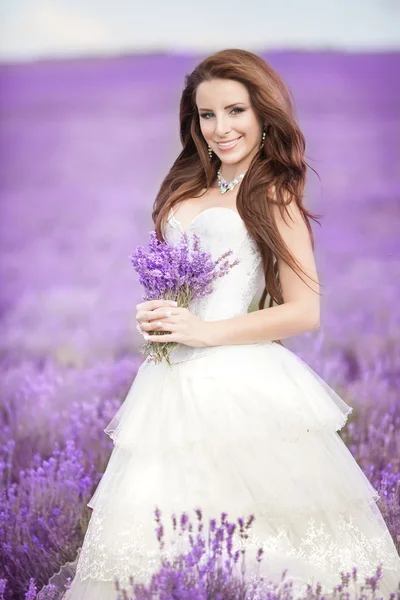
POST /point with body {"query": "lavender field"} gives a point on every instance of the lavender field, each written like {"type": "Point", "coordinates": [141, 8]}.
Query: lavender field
{"type": "Point", "coordinates": [84, 145]}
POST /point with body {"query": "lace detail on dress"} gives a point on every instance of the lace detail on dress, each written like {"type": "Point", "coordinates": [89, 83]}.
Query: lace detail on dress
{"type": "Point", "coordinates": [250, 255]}
{"type": "Point", "coordinates": [107, 554]}
{"type": "Point", "coordinates": [331, 551]}
{"type": "Point", "coordinates": [124, 554]}
{"type": "Point", "coordinates": [221, 229]}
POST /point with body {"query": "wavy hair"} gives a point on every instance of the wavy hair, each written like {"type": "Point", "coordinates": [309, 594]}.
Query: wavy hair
{"type": "Point", "coordinates": [276, 175]}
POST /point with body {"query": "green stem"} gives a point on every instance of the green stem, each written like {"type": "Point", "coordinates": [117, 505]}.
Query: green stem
{"type": "Point", "coordinates": [160, 351]}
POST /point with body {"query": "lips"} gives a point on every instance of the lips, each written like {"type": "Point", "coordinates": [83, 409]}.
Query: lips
{"type": "Point", "coordinates": [228, 145]}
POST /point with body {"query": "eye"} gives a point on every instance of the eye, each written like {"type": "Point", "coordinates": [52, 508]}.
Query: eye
{"type": "Point", "coordinates": [208, 115]}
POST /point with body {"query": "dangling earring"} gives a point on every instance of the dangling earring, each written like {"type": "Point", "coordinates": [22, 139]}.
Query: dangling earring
{"type": "Point", "coordinates": [263, 139]}
{"type": "Point", "coordinates": [209, 153]}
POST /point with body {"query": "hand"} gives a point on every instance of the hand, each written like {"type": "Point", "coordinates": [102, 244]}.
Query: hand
{"type": "Point", "coordinates": [182, 325]}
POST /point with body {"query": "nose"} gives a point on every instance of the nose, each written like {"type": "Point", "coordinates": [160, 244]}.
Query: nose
{"type": "Point", "coordinates": [222, 126]}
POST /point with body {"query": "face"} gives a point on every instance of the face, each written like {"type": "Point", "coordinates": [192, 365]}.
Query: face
{"type": "Point", "coordinates": [226, 115]}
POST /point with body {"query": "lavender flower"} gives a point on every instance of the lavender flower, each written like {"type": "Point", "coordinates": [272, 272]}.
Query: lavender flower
{"type": "Point", "coordinates": [180, 272]}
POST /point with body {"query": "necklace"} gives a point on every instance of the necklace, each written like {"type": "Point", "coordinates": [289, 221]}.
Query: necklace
{"type": "Point", "coordinates": [224, 185]}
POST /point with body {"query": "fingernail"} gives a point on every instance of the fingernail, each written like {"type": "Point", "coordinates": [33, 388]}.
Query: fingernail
{"type": "Point", "coordinates": [146, 336]}
{"type": "Point", "coordinates": [173, 303]}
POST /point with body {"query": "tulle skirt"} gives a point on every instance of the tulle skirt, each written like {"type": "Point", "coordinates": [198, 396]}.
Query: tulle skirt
{"type": "Point", "coordinates": [247, 429]}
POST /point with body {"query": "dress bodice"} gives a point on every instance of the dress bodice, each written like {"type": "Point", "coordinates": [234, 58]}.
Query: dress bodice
{"type": "Point", "coordinates": [221, 229]}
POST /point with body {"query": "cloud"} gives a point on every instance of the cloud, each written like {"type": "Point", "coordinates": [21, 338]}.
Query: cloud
{"type": "Point", "coordinates": [46, 30]}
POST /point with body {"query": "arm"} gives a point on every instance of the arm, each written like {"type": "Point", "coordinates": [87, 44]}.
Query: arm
{"type": "Point", "coordinates": [301, 308]}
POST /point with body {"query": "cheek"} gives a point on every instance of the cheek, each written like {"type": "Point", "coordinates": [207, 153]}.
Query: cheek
{"type": "Point", "coordinates": [206, 129]}
{"type": "Point", "coordinates": [251, 128]}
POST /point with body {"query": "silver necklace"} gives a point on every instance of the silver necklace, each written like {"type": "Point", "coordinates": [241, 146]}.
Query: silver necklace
{"type": "Point", "coordinates": [224, 185]}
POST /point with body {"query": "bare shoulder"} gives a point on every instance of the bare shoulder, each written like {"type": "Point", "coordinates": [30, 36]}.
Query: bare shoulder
{"type": "Point", "coordinates": [293, 229]}
{"type": "Point", "coordinates": [288, 215]}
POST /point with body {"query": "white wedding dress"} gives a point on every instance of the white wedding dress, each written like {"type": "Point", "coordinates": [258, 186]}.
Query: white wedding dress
{"type": "Point", "coordinates": [245, 429]}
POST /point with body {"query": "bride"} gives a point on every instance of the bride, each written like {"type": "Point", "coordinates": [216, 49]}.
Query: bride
{"type": "Point", "coordinates": [238, 423]}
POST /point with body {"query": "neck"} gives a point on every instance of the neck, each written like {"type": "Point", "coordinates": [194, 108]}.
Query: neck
{"type": "Point", "coordinates": [229, 172]}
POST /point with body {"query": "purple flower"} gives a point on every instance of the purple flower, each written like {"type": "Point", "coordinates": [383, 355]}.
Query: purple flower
{"type": "Point", "coordinates": [179, 272]}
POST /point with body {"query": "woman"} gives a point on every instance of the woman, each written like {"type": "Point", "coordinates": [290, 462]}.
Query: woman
{"type": "Point", "coordinates": [238, 423]}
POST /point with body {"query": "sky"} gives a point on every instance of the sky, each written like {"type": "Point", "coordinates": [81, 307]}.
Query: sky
{"type": "Point", "coordinates": [31, 29]}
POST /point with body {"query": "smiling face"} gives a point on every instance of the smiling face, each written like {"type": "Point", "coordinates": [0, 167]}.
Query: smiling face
{"type": "Point", "coordinates": [229, 123]}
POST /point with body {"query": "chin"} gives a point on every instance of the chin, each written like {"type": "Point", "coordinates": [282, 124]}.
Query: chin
{"type": "Point", "coordinates": [232, 160]}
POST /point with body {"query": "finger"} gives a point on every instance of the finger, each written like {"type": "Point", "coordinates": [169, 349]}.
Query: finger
{"type": "Point", "coordinates": [160, 325]}
{"type": "Point", "coordinates": [165, 312]}
{"type": "Point", "coordinates": [158, 314]}
{"type": "Point", "coordinates": [152, 304]}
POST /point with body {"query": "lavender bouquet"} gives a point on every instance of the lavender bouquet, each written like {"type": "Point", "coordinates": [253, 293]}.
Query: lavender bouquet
{"type": "Point", "coordinates": [179, 272]}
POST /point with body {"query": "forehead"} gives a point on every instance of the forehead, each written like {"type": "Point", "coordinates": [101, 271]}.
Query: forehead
{"type": "Point", "coordinates": [220, 92]}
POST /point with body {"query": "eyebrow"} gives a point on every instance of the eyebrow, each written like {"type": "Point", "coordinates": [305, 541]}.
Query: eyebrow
{"type": "Point", "coordinates": [229, 106]}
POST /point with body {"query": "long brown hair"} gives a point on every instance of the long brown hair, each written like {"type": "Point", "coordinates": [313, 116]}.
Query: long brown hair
{"type": "Point", "coordinates": [276, 175]}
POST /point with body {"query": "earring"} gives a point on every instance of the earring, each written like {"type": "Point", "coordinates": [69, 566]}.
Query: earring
{"type": "Point", "coordinates": [263, 138]}
{"type": "Point", "coordinates": [209, 153]}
